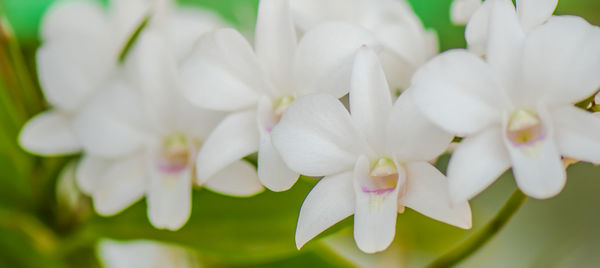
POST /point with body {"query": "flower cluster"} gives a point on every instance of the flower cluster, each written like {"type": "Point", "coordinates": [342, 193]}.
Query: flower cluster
{"type": "Point", "coordinates": [161, 99]}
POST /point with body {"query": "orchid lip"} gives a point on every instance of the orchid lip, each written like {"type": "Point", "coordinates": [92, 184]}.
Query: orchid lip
{"type": "Point", "coordinates": [175, 154]}
{"type": "Point", "coordinates": [525, 129]}
{"type": "Point", "coordinates": [383, 177]}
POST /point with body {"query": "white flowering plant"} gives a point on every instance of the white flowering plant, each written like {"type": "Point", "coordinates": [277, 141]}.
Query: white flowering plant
{"type": "Point", "coordinates": [161, 133]}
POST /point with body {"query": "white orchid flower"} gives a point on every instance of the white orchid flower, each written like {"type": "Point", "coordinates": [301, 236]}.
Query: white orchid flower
{"type": "Point", "coordinates": [141, 136]}
{"type": "Point", "coordinates": [531, 13]}
{"type": "Point", "coordinates": [516, 109]}
{"type": "Point", "coordinates": [81, 43]}
{"type": "Point", "coordinates": [146, 142]}
{"type": "Point", "coordinates": [256, 87]}
{"type": "Point", "coordinates": [406, 44]}
{"type": "Point", "coordinates": [374, 160]}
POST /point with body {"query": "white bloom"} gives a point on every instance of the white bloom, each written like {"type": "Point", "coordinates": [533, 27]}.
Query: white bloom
{"type": "Point", "coordinates": [374, 160]}
{"type": "Point", "coordinates": [406, 44]}
{"type": "Point", "coordinates": [256, 87]}
{"type": "Point", "coordinates": [81, 43]}
{"type": "Point", "coordinates": [461, 11]}
{"type": "Point", "coordinates": [142, 137]}
{"type": "Point", "coordinates": [144, 254]}
{"type": "Point", "coordinates": [516, 109]}
{"type": "Point", "coordinates": [531, 13]}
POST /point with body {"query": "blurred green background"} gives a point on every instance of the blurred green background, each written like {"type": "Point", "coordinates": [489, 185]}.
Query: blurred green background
{"type": "Point", "coordinates": [37, 230]}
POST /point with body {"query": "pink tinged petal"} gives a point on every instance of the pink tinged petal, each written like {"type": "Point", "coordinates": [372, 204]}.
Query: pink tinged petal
{"type": "Point", "coordinates": [533, 13]}
{"type": "Point", "coordinates": [272, 171]}
{"type": "Point", "coordinates": [427, 192]}
{"type": "Point", "coordinates": [561, 61]}
{"type": "Point", "coordinates": [461, 11]}
{"type": "Point", "coordinates": [375, 212]}
{"type": "Point", "coordinates": [329, 202]}
{"type": "Point", "coordinates": [411, 136]}
{"type": "Point", "coordinates": [49, 133]}
{"type": "Point", "coordinates": [537, 166]}
{"type": "Point", "coordinates": [235, 137]}
{"type": "Point", "coordinates": [92, 20]}
{"type": "Point", "coordinates": [238, 179]}
{"type": "Point", "coordinates": [505, 44]}
{"type": "Point", "coordinates": [122, 184]}
{"type": "Point", "coordinates": [275, 41]}
{"type": "Point", "coordinates": [476, 163]}
{"type": "Point", "coordinates": [456, 90]}
{"type": "Point", "coordinates": [476, 32]}
{"type": "Point", "coordinates": [89, 172]}
{"type": "Point", "coordinates": [316, 136]}
{"type": "Point", "coordinates": [577, 133]}
{"type": "Point", "coordinates": [223, 72]}
{"type": "Point", "coordinates": [111, 124]}
{"type": "Point", "coordinates": [370, 98]}
{"type": "Point", "coordinates": [325, 55]}
{"type": "Point", "coordinates": [169, 198]}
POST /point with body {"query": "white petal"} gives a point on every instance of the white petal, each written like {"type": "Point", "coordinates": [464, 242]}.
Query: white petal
{"type": "Point", "coordinates": [238, 179]}
{"type": "Point", "coordinates": [316, 137]}
{"type": "Point", "coordinates": [476, 163]}
{"type": "Point", "coordinates": [538, 168]}
{"type": "Point", "coordinates": [462, 10]}
{"type": "Point", "coordinates": [188, 24]}
{"type": "Point", "coordinates": [533, 13]}
{"type": "Point", "coordinates": [127, 16]}
{"type": "Point", "coordinates": [89, 172]}
{"type": "Point", "coordinates": [561, 60]}
{"type": "Point", "coordinates": [409, 42]}
{"type": "Point", "coordinates": [476, 32]}
{"type": "Point", "coordinates": [110, 125]}
{"type": "Point", "coordinates": [411, 136]}
{"type": "Point", "coordinates": [156, 76]}
{"type": "Point", "coordinates": [427, 193]}
{"type": "Point", "coordinates": [272, 171]}
{"type": "Point", "coordinates": [457, 92]}
{"type": "Point", "coordinates": [310, 13]}
{"type": "Point", "coordinates": [375, 214]}
{"type": "Point", "coordinates": [70, 70]}
{"type": "Point", "coordinates": [505, 42]}
{"type": "Point", "coordinates": [235, 137]}
{"type": "Point", "coordinates": [122, 184]}
{"type": "Point", "coordinates": [275, 41]}
{"type": "Point", "coordinates": [223, 72]}
{"type": "Point", "coordinates": [58, 20]}
{"type": "Point", "coordinates": [169, 199]}
{"type": "Point", "coordinates": [49, 133]}
{"type": "Point", "coordinates": [370, 98]}
{"type": "Point", "coordinates": [577, 134]}
{"type": "Point", "coordinates": [328, 203]}
{"type": "Point", "coordinates": [324, 58]}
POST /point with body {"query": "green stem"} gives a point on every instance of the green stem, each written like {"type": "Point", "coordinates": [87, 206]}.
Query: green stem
{"type": "Point", "coordinates": [484, 235]}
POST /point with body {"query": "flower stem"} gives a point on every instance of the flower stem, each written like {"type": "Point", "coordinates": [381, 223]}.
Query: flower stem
{"type": "Point", "coordinates": [484, 235]}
